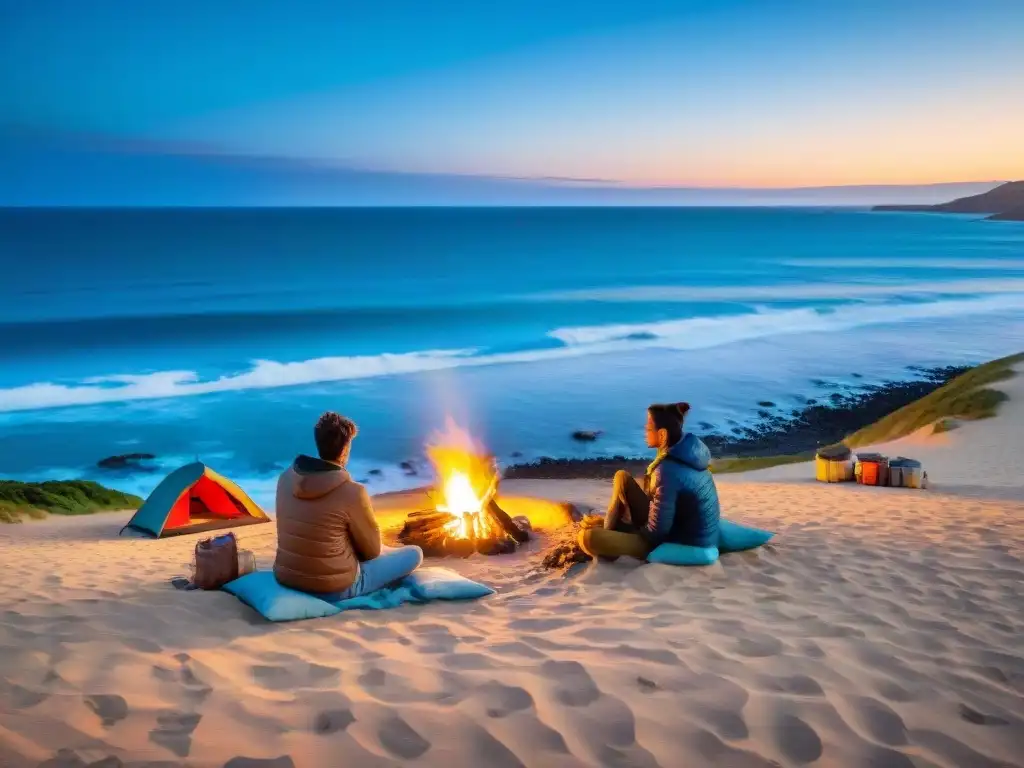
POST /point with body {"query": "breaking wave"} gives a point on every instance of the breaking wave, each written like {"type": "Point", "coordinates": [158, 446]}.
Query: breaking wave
{"type": "Point", "coordinates": [700, 332]}
{"type": "Point", "coordinates": [692, 333]}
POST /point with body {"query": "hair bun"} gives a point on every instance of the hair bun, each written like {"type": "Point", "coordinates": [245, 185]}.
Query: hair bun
{"type": "Point", "coordinates": [682, 408]}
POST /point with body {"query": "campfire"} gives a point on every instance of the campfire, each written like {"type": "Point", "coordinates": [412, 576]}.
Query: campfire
{"type": "Point", "coordinates": [465, 516]}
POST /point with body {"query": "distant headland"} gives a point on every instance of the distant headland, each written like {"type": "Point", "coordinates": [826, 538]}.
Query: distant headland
{"type": "Point", "coordinates": [1004, 203]}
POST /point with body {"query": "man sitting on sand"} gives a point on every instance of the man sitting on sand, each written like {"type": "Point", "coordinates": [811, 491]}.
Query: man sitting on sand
{"type": "Point", "coordinates": [328, 540]}
{"type": "Point", "coordinates": [678, 501]}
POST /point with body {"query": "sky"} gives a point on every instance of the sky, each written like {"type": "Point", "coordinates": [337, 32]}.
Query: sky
{"type": "Point", "coordinates": [727, 93]}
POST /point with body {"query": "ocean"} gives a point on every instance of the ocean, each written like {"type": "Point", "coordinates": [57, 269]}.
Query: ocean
{"type": "Point", "coordinates": [221, 334]}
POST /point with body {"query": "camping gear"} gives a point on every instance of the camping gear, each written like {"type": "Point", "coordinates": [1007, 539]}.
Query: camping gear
{"type": "Point", "coordinates": [872, 469]}
{"type": "Point", "coordinates": [215, 562]}
{"type": "Point", "coordinates": [906, 473]}
{"type": "Point", "coordinates": [833, 464]}
{"type": "Point", "coordinates": [246, 561]}
{"type": "Point", "coordinates": [193, 499]}
{"type": "Point", "coordinates": [262, 592]}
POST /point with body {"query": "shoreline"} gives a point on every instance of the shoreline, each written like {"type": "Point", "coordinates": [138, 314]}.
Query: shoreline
{"type": "Point", "coordinates": [777, 437]}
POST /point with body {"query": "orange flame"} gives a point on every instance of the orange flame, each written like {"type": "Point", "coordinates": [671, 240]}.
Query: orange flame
{"type": "Point", "coordinates": [467, 478]}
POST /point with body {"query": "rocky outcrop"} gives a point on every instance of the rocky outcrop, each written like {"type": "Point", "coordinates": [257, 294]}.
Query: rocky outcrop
{"type": "Point", "coordinates": [774, 434]}
{"type": "Point", "coordinates": [125, 461]}
{"type": "Point", "coordinates": [1004, 203]}
{"type": "Point", "coordinates": [1014, 214]}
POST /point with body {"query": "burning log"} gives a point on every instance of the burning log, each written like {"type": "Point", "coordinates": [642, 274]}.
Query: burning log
{"type": "Point", "coordinates": [438, 534]}
{"type": "Point", "coordinates": [466, 516]}
{"type": "Point", "coordinates": [506, 523]}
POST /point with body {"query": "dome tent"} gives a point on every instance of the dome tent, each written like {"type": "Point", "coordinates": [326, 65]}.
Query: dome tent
{"type": "Point", "coordinates": [193, 499]}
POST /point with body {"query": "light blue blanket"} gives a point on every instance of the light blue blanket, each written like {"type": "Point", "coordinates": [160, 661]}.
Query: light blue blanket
{"type": "Point", "coordinates": [261, 591]}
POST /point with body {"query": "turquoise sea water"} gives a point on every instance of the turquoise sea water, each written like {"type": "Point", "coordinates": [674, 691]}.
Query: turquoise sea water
{"type": "Point", "coordinates": [223, 333]}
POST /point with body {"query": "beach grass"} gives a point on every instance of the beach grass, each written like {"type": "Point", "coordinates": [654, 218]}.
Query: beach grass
{"type": "Point", "coordinates": [59, 497]}
{"type": "Point", "coordinates": [966, 397]}
{"type": "Point", "coordinates": [728, 465]}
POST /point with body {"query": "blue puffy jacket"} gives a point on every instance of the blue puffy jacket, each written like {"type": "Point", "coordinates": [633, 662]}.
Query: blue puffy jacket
{"type": "Point", "coordinates": [684, 500]}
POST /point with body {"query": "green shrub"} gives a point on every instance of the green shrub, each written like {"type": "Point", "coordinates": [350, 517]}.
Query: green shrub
{"type": "Point", "coordinates": [59, 497]}
{"type": "Point", "coordinates": [724, 466]}
{"type": "Point", "coordinates": [966, 397]}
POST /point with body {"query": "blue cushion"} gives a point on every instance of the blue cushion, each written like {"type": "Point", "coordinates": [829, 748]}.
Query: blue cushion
{"type": "Point", "coordinates": [683, 554]}
{"type": "Point", "coordinates": [444, 584]}
{"type": "Point", "coordinates": [733, 537]}
{"type": "Point", "coordinates": [260, 591]}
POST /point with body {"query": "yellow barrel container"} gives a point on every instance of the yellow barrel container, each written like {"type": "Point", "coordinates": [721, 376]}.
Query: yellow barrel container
{"type": "Point", "coordinates": [834, 464]}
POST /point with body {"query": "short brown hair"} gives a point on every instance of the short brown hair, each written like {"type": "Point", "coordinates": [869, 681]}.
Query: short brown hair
{"type": "Point", "coordinates": [333, 433]}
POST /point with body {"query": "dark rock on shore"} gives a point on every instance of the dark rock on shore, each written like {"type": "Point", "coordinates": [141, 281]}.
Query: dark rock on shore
{"type": "Point", "coordinates": [802, 431]}
{"type": "Point", "coordinates": [766, 404]}
{"type": "Point", "coordinates": [817, 424]}
{"type": "Point", "coordinates": [125, 461]}
{"type": "Point", "coordinates": [547, 468]}
{"type": "Point", "coordinates": [408, 468]}
{"type": "Point", "coordinates": [375, 473]}
{"type": "Point", "coordinates": [585, 436]}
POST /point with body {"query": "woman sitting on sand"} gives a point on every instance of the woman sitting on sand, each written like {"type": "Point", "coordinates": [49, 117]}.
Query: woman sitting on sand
{"type": "Point", "coordinates": [677, 503]}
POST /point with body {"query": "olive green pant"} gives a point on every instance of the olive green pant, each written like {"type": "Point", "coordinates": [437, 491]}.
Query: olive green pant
{"type": "Point", "coordinates": [627, 514]}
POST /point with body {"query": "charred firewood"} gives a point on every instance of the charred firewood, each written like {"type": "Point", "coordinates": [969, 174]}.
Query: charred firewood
{"type": "Point", "coordinates": [506, 523]}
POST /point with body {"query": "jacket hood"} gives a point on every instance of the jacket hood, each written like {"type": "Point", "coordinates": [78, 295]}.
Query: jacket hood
{"type": "Point", "coordinates": [312, 478]}
{"type": "Point", "coordinates": [692, 451]}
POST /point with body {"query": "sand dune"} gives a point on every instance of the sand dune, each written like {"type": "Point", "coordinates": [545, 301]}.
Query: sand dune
{"type": "Point", "coordinates": [883, 627]}
{"type": "Point", "coordinates": [982, 459]}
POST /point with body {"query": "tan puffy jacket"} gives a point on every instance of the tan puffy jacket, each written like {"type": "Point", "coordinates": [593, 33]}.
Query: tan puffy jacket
{"type": "Point", "coordinates": [325, 527]}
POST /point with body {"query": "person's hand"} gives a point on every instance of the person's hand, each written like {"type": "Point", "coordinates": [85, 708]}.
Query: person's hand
{"type": "Point", "coordinates": [592, 521]}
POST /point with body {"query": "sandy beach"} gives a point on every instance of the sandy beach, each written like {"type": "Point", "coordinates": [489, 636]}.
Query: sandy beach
{"type": "Point", "coordinates": [882, 627]}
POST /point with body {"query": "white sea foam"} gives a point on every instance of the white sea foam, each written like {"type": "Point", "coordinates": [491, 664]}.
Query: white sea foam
{"type": "Point", "coordinates": [699, 332]}
{"type": "Point", "coordinates": [693, 333]}
{"type": "Point", "coordinates": [681, 293]}
{"type": "Point", "coordinates": [264, 374]}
